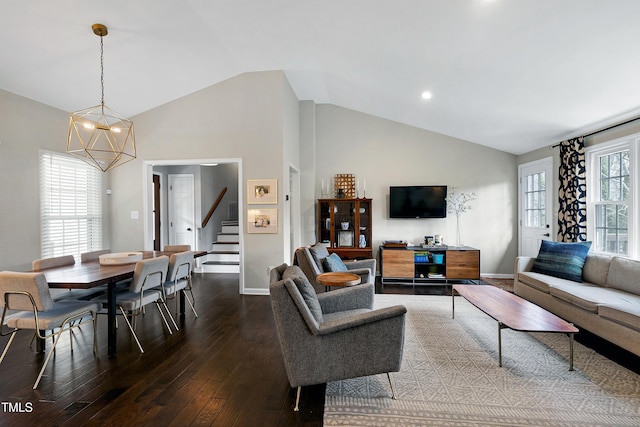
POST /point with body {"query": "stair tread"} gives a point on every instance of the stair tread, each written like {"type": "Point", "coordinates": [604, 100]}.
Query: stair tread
{"type": "Point", "coordinates": [223, 253]}
{"type": "Point", "coordinates": [221, 263]}
{"type": "Point", "coordinates": [222, 242]}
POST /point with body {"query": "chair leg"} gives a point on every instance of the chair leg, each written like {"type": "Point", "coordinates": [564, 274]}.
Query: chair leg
{"type": "Point", "coordinates": [6, 347]}
{"type": "Point", "coordinates": [393, 393]}
{"type": "Point", "coordinates": [164, 318]}
{"type": "Point", "coordinates": [190, 304]}
{"type": "Point", "coordinates": [46, 360]}
{"type": "Point", "coordinates": [297, 407]}
{"type": "Point", "coordinates": [175, 325]}
{"type": "Point", "coordinates": [131, 329]}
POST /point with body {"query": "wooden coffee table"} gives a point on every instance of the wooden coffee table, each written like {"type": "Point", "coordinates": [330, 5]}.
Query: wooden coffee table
{"type": "Point", "coordinates": [337, 278]}
{"type": "Point", "coordinates": [513, 312]}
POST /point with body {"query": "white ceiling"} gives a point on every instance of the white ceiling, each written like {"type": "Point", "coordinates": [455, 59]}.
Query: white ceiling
{"type": "Point", "coordinates": [515, 75]}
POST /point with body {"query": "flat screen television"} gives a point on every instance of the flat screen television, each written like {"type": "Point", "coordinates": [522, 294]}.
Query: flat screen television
{"type": "Point", "coordinates": [418, 201]}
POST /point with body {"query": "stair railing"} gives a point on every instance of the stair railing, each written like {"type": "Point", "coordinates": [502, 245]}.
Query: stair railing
{"type": "Point", "coordinates": [213, 207]}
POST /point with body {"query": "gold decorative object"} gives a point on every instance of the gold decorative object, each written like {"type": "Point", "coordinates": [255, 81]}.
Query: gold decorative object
{"type": "Point", "coordinates": [99, 135]}
{"type": "Point", "coordinates": [346, 182]}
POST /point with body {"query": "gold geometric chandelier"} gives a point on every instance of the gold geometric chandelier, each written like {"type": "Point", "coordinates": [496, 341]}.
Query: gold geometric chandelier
{"type": "Point", "coordinates": [99, 135]}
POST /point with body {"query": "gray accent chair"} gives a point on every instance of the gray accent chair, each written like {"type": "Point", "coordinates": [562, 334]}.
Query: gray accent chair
{"type": "Point", "coordinates": [336, 335]}
{"type": "Point", "coordinates": [309, 259]}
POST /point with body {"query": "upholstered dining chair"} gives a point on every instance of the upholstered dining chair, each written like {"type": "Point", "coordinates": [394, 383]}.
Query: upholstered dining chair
{"type": "Point", "coordinates": [148, 275]}
{"type": "Point", "coordinates": [59, 261]}
{"type": "Point", "coordinates": [93, 255]}
{"type": "Point", "coordinates": [179, 279]}
{"type": "Point", "coordinates": [335, 335]}
{"type": "Point", "coordinates": [313, 262]}
{"type": "Point", "coordinates": [27, 296]}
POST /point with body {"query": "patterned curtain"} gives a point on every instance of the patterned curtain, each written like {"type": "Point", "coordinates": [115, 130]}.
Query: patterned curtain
{"type": "Point", "coordinates": [572, 215]}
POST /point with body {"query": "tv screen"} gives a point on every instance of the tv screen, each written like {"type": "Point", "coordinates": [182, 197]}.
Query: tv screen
{"type": "Point", "coordinates": [423, 201]}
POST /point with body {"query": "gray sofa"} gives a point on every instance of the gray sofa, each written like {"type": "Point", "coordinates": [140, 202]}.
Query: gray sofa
{"type": "Point", "coordinates": [310, 260]}
{"type": "Point", "coordinates": [335, 335]}
{"type": "Point", "coordinates": [606, 303]}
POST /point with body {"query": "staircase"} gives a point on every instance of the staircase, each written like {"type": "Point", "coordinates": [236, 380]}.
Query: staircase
{"type": "Point", "coordinates": [224, 256]}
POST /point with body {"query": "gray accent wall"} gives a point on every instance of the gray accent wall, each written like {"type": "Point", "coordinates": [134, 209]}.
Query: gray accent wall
{"type": "Point", "coordinates": [385, 153]}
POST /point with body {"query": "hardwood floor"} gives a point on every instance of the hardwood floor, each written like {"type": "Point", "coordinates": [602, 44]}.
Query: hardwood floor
{"type": "Point", "coordinates": [221, 369]}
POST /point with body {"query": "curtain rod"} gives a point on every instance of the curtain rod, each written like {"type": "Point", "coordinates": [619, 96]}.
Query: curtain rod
{"type": "Point", "coordinates": [551, 147]}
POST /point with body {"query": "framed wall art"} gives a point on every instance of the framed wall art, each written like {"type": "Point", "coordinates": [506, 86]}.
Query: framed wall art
{"type": "Point", "coordinates": [262, 191]}
{"type": "Point", "coordinates": [262, 221]}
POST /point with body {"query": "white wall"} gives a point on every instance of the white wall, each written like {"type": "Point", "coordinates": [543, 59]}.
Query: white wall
{"type": "Point", "coordinates": [386, 153]}
{"type": "Point", "coordinates": [27, 126]}
{"type": "Point", "coordinates": [242, 117]}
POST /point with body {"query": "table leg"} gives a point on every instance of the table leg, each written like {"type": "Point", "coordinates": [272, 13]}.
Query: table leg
{"type": "Point", "coordinates": [111, 318]}
{"type": "Point", "coordinates": [181, 303]}
{"type": "Point", "coordinates": [571, 352]}
{"type": "Point", "coordinates": [40, 344]}
{"type": "Point", "coordinates": [500, 344]}
{"type": "Point", "coordinates": [453, 303]}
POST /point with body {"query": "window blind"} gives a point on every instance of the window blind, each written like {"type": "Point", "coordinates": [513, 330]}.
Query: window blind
{"type": "Point", "coordinates": [70, 206]}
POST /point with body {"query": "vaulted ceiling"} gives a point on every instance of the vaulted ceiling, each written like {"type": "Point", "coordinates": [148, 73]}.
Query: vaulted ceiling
{"type": "Point", "coordinates": [514, 75]}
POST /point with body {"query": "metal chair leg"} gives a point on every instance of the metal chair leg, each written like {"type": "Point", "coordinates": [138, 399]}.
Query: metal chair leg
{"type": "Point", "coordinates": [6, 347]}
{"type": "Point", "coordinates": [297, 408]}
{"type": "Point", "coordinates": [124, 314]}
{"type": "Point", "coordinates": [393, 392]}
{"type": "Point", "coordinates": [46, 361]}
{"type": "Point", "coordinates": [164, 317]}
{"type": "Point", "coordinates": [190, 303]}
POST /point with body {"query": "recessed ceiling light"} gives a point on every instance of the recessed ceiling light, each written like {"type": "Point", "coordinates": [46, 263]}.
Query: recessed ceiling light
{"type": "Point", "coordinates": [426, 95]}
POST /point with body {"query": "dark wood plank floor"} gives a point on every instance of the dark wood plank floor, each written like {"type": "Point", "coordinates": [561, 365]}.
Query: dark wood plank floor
{"type": "Point", "coordinates": [221, 369]}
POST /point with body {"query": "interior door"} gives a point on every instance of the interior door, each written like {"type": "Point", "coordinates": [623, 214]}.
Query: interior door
{"type": "Point", "coordinates": [182, 223]}
{"type": "Point", "coordinates": [535, 205]}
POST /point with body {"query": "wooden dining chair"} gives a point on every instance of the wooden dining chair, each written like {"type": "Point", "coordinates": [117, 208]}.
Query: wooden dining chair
{"type": "Point", "coordinates": [27, 296]}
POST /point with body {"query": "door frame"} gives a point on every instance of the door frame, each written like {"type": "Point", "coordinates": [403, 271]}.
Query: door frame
{"type": "Point", "coordinates": [292, 212]}
{"type": "Point", "coordinates": [147, 193]}
{"type": "Point", "coordinates": [546, 165]}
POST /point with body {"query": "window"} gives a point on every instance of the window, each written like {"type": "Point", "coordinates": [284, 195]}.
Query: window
{"type": "Point", "coordinates": [535, 207]}
{"type": "Point", "coordinates": [612, 176]}
{"type": "Point", "coordinates": [70, 206]}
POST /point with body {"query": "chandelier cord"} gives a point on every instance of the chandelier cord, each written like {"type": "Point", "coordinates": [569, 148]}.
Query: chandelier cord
{"type": "Point", "coordinates": [102, 73]}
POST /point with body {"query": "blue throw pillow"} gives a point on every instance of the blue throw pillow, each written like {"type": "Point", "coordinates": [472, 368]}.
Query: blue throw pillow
{"type": "Point", "coordinates": [333, 263]}
{"type": "Point", "coordinates": [563, 260]}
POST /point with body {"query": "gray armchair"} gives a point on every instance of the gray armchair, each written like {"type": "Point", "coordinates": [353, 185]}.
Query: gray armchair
{"type": "Point", "coordinates": [309, 259]}
{"type": "Point", "coordinates": [335, 335]}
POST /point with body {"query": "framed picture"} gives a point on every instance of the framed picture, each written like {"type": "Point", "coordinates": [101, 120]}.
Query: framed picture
{"type": "Point", "coordinates": [345, 238]}
{"type": "Point", "coordinates": [262, 191]}
{"type": "Point", "coordinates": [262, 221]}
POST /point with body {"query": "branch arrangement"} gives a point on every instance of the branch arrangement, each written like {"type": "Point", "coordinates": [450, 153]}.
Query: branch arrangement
{"type": "Point", "coordinates": [458, 203]}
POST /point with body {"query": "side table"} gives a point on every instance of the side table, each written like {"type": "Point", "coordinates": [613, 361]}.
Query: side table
{"type": "Point", "coordinates": [337, 278]}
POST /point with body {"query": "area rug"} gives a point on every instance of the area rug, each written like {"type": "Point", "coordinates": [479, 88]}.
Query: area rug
{"type": "Point", "coordinates": [450, 376]}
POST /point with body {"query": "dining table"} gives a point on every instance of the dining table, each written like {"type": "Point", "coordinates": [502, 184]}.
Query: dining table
{"type": "Point", "coordinates": [92, 274]}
